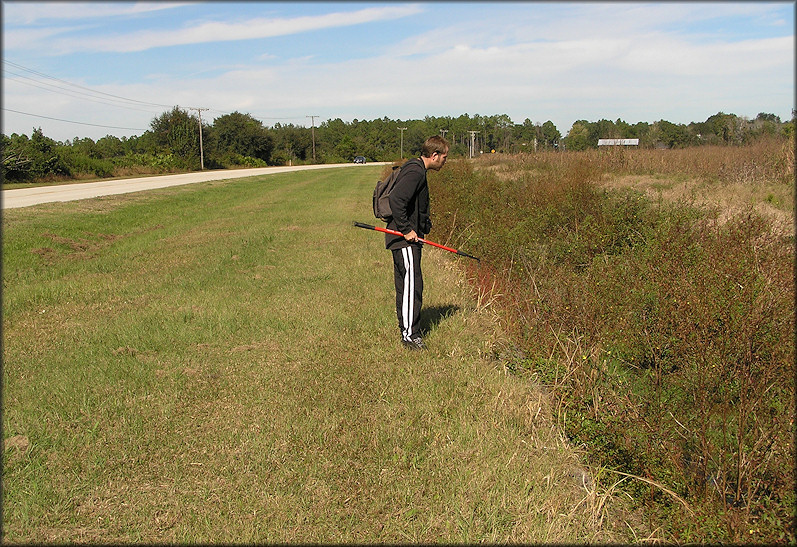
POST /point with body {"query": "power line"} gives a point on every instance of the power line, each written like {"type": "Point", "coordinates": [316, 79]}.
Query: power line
{"type": "Point", "coordinates": [117, 97]}
{"type": "Point", "coordinates": [69, 93]}
{"type": "Point", "coordinates": [70, 121]}
{"type": "Point", "coordinates": [86, 93]}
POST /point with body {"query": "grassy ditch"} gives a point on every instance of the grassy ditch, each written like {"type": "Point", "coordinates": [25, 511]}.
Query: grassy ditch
{"type": "Point", "coordinates": [663, 326]}
{"type": "Point", "coordinates": [219, 362]}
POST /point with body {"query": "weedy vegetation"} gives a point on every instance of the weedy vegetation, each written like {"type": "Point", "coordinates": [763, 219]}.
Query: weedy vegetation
{"type": "Point", "coordinates": [651, 292]}
{"type": "Point", "coordinates": [219, 362]}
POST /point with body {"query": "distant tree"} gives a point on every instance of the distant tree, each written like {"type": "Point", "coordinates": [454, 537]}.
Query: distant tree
{"type": "Point", "coordinates": [639, 130]}
{"type": "Point", "coordinates": [503, 133]}
{"type": "Point", "coordinates": [378, 140]}
{"type": "Point", "coordinates": [177, 132]}
{"type": "Point", "coordinates": [764, 124]}
{"type": "Point", "coordinates": [291, 143]}
{"type": "Point", "coordinates": [623, 129]}
{"type": "Point", "coordinates": [86, 147]}
{"type": "Point", "coordinates": [525, 134]}
{"type": "Point", "coordinates": [602, 129]}
{"type": "Point", "coordinates": [414, 137]}
{"type": "Point", "coordinates": [141, 144]}
{"type": "Point", "coordinates": [673, 135]}
{"type": "Point", "coordinates": [34, 158]}
{"type": "Point", "coordinates": [242, 134]}
{"type": "Point", "coordinates": [328, 135]}
{"type": "Point", "coordinates": [724, 126]}
{"type": "Point", "coordinates": [550, 135]}
{"type": "Point", "coordinates": [578, 136]}
{"type": "Point", "coordinates": [345, 148]}
{"type": "Point", "coordinates": [788, 127]}
{"type": "Point", "coordinates": [459, 131]}
{"type": "Point", "coordinates": [110, 147]}
{"type": "Point", "coordinates": [764, 117]}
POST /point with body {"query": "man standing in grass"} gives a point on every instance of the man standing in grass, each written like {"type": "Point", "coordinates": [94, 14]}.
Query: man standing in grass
{"type": "Point", "coordinates": [409, 204]}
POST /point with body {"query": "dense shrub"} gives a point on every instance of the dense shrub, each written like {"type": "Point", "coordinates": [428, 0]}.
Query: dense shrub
{"type": "Point", "coordinates": [665, 332]}
{"type": "Point", "coordinates": [27, 159]}
{"type": "Point", "coordinates": [231, 159]}
{"type": "Point", "coordinates": [81, 164]}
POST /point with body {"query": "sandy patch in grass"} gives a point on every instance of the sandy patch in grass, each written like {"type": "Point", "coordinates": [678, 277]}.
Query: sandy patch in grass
{"type": "Point", "coordinates": [773, 201]}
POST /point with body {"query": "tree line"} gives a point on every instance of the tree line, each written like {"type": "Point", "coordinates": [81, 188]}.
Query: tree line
{"type": "Point", "coordinates": [176, 141]}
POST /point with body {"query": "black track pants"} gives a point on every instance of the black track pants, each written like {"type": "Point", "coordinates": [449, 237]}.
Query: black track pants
{"type": "Point", "coordinates": [409, 290]}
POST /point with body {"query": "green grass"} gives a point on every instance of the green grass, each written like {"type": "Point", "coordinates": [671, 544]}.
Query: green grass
{"type": "Point", "coordinates": [220, 363]}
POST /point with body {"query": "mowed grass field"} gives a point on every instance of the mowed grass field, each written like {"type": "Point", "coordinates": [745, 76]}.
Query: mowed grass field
{"type": "Point", "coordinates": [220, 363]}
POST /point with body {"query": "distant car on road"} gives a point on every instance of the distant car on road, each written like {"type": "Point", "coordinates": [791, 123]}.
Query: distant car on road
{"type": "Point", "coordinates": [359, 159]}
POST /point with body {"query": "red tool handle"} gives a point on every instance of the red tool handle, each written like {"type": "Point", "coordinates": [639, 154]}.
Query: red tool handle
{"type": "Point", "coordinates": [397, 233]}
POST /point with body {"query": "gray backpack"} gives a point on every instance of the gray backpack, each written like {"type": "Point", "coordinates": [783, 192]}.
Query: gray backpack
{"type": "Point", "coordinates": [382, 195]}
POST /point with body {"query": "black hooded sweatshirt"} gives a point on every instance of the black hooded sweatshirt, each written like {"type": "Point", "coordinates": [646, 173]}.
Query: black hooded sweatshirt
{"type": "Point", "coordinates": [409, 203]}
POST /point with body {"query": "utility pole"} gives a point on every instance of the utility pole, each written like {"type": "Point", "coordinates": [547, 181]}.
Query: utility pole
{"type": "Point", "coordinates": [402, 129]}
{"type": "Point", "coordinates": [443, 133]}
{"type": "Point", "coordinates": [472, 143]}
{"type": "Point", "coordinates": [312, 121]}
{"type": "Point", "coordinates": [201, 151]}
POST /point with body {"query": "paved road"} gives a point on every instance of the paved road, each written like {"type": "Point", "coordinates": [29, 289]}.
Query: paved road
{"type": "Point", "coordinates": [25, 197]}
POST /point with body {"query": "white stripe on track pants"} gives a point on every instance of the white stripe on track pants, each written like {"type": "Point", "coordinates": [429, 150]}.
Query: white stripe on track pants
{"type": "Point", "coordinates": [409, 290]}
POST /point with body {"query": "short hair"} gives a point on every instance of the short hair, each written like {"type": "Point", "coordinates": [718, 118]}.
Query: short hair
{"type": "Point", "coordinates": [433, 144]}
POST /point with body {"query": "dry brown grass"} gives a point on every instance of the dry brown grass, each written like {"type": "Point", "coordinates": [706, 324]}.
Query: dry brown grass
{"type": "Point", "coordinates": [730, 178]}
{"type": "Point", "coordinates": [661, 319]}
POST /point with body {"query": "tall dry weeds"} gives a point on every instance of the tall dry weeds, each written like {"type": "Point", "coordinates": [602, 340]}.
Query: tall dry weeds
{"type": "Point", "coordinates": [665, 330]}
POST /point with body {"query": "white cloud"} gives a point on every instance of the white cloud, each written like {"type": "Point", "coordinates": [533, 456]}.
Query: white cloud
{"type": "Point", "coordinates": [541, 61]}
{"type": "Point", "coordinates": [221, 31]}
{"type": "Point", "coordinates": [664, 77]}
{"type": "Point", "coordinates": [28, 13]}
{"type": "Point", "coordinates": [31, 39]}
{"type": "Point", "coordinates": [667, 56]}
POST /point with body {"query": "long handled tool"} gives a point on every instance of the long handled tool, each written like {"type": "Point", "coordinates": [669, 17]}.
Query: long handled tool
{"type": "Point", "coordinates": [432, 243]}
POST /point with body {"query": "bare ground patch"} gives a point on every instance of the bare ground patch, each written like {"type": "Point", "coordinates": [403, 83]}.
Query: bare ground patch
{"type": "Point", "coordinates": [80, 248]}
{"type": "Point", "coordinates": [774, 201]}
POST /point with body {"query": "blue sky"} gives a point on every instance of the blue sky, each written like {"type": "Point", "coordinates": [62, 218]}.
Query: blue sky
{"type": "Point", "coordinates": [115, 66]}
